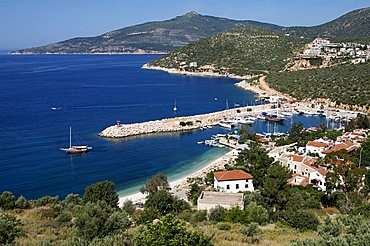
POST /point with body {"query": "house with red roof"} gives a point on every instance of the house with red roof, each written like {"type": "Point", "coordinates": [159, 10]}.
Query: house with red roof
{"type": "Point", "coordinates": [316, 147]}
{"type": "Point", "coordinates": [233, 181]}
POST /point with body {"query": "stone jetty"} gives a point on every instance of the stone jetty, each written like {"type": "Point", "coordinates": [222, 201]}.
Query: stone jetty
{"type": "Point", "coordinates": [177, 124]}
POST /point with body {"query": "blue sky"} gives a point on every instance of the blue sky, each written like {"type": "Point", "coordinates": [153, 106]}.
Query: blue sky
{"type": "Point", "coordinates": [26, 23]}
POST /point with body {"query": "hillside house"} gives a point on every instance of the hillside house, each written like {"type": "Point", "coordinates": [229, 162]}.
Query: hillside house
{"type": "Point", "coordinates": [233, 181]}
{"type": "Point", "coordinates": [209, 199]}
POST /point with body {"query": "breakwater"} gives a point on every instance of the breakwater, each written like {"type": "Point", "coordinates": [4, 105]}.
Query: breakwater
{"type": "Point", "coordinates": [185, 123]}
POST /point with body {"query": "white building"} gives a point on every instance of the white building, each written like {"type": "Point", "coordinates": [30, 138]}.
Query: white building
{"type": "Point", "coordinates": [316, 147]}
{"type": "Point", "coordinates": [233, 181]}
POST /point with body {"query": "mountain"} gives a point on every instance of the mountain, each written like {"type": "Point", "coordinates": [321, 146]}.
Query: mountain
{"type": "Point", "coordinates": [240, 51]}
{"type": "Point", "coordinates": [158, 36]}
{"type": "Point", "coordinates": [353, 25]}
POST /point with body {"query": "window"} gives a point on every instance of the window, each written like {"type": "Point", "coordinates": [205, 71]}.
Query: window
{"type": "Point", "coordinates": [246, 185]}
{"type": "Point", "coordinates": [227, 187]}
{"type": "Point", "coordinates": [295, 166]}
{"type": "Point", "coordinates": [237, 186]}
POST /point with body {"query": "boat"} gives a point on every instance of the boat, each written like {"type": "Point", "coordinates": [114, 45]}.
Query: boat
{"type": "Point", "coordinates": [174, 107]}
{"type": "Point", "coordinates": [287, 113]}
{"type": "Point", "coordinates": [75, 149]}
{"type": "Point", "coordinates": [54, 108]}
{"type": "Point", "coordinates": [275, 119]}
{"type": "Point", "coordinates": [246, 121]}
{"type": "Point", "coordinates": [225, 125]}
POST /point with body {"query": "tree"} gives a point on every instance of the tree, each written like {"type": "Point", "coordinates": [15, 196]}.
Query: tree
{"type": "Point", "coordinates": [129, 207]}
{"type": "Point", "coordinates": [274, 183]}
{"type": "Point", "coordinates": [9, 229]}
{"type": "Point", "coordinates": [98, 220]}
{"type": "Point", "coordinates": [170, 231]}
{"type": "Point", "coordinates": [155, 184]}
{"type": "Point", "coordinates": [102, 191]}
{"type": "Point", "coordinates": [255, 161]}
{"type": "Point", "coordinates": [299, 219]}
{"type": "Point", "coordinates": [165, 203]}
{"type": "Point", "coordinates": [217, 214]}
{"type": "Point", "coordinates": [194, 193]}
{"type": "Point", "coordinates": [7, 200]}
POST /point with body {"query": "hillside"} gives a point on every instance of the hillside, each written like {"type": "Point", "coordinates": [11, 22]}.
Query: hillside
{"type": "Point", "coordinates": [353, 25]}
{"type": "Point", "coordinates": [242, 51]}
{"type": "Point", "coordinates": [347, 84]}
{"type": "Point", "coordinates": [158, 36]}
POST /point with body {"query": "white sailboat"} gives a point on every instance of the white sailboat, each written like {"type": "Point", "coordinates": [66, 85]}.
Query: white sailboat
{"type": "Point", "coordinates": [75, 149]}
{"type": "Point", "coordinates": [174, 107]}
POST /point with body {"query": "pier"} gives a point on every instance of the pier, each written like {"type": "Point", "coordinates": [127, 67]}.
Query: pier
{"type": "Point", "coordinates": [185, 123]}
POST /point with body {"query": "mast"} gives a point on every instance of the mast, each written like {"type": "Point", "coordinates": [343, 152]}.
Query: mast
{"type": "Point", "coordinates": [70, 137]}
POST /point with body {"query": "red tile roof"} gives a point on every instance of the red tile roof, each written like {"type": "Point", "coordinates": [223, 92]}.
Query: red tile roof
{"type": "Point", "coordinates": [297, 158]}
{"type": "Point", "coordinates": [317, 144]}
{"type": "Point", "coordinates": [232, 175]}
{"type": "Point", "coordinates": [322, 171]}
{"type": "Point", "coordinates": [293, 182]}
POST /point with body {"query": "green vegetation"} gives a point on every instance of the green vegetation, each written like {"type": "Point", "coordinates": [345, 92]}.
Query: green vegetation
{"type": "Point", "coordinates": [160, 36]}
{"type": "Point", "coordinates": [244, 50]}
{"type": "Point", "coordinates": [354, 25]}
{"type": "Point", "coordinates": [346, 84]}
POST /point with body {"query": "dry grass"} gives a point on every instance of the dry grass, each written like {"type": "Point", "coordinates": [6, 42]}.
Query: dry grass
{"type": "Point", "coordinates": [271, 235]}
{"type": "Point", "coordinates": [38, 228]}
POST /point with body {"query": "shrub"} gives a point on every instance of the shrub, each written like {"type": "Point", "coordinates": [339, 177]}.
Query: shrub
{"type": "Point", "coordinates": [46, 200]}
{"type": "Point", "coordinates": [9, 229]}
{"type": "Point", "coordinates": [22, 203]}
{"type": "Point", "coordinates": [217, 214]}
{"type": "Point", "coordinates": [7, 200]}
{"type": "Point", "coordinates": [224, 226]}
{"type": "Point", "coordinates": [72, 199]}
{"type": "Point", "coordinates": [199, 216]}
{"type": "Point", "coordinates": [102, 191]}
{"type": "Point", "coordinates": [300, 219]}
{"type": "Point", "coordinates": [129, 207]}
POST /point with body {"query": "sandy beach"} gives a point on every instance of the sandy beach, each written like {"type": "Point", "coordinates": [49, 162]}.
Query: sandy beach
{"type": "Point", "coordinates": [181, 183]}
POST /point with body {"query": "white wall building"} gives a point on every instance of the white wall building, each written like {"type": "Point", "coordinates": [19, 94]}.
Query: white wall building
{"type": "Point", "coordinates": [233, 181]}
{"type": "Point", "coordinates": [208, 200]}
{"type": "Point", "coordinates": [315, 147]}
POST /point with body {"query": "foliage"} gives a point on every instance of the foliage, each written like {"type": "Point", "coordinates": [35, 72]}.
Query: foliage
{"type": "Point", "coordinates": [72, 200]}
{"type": "Point", "coordinates": [347, 84]}
{"type": "Point", "coordinates": [344, 230]}
{"type": "Point", "coordinates": [121, 239]}
{"type": "Point", "coordinates": [155, 184]}
{"type": "Point", "coordinates": [217, 214]}
{"type": "Point", "coordinates": [162, 203]}
{"type": "Point", "coordinates": [362, 121]}
{"type": "Point", "coordinates": [7, 200]}
{"type": "Point", "coordinates": [98, 220]}
{"type": "Point", "coordinates": [252, 231]}
{"type": "Point", "coordinates": [45, 200]}
{"type": "Point", "coordinates": [299, 219]}
{"type": "Point", "coordinates": [252, 213]}
{"type": "Point", "coordinates": [240, 51]}
{"type": "Point", "coordinates": [223, 226]}
{"type": "Point", "coordinates": [22, 203]}
{"type": "Point", "coordinates": [169, 231]}
{"type": "Point", "coordinates": [9, 229]}
{"type": "Point", "coordinates": [102, 191]}
{"type": "Point", "coordinates": [274, 183]}
{"type": "Point", "coordinates": [158, 36]}
{"type": "Point", "coordinates": [129, 207]}
{"type": "Point", "coordinates": [194, 192]}
{"type": "Point", "coordinates": [255, 161]}
{"type": "Point", "coordinates": [245, 135]}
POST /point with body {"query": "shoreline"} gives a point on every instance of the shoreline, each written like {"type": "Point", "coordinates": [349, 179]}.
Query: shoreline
{"type": "Point", "coordinates": [97, 53]}
{"type": "Point", "coordinates": [181, 183]}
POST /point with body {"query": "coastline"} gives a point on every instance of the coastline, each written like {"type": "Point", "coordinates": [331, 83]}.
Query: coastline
{"type": "Point", "coordinates": [181, 183]}
{"type": "Point", "coordinates": [85, 53]}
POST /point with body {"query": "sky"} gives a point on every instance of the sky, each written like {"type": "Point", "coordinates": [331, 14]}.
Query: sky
{"type": "Point", "coordinates": [29, 23]}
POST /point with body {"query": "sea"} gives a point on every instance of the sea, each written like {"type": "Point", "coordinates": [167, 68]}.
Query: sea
{"type": "Point", "coordinates": [90, 93]}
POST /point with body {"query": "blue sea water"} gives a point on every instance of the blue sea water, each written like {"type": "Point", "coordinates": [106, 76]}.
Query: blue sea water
{"type": "Point", "coordinates": [93, 91]}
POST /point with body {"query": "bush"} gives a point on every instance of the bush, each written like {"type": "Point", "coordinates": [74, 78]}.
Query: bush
{"type": "Point", "coordinates": [7, 200]}
{"type": "Point", "coordinates": [129, 207]}
{"type": "Point", "coordinates": [46, 200]}
{"type": "Point", "coordinates": [102, 191]}
{"type": "Point", "coordinates": [71, 200]}
{"type": "Point", "coordinates": [217, 214]}
{"type": "Point", "coordinates": [224, 226]}
{"type": "Point", "coordinates": [300, 219]}
{"type": "Point", "coordinates": [98, 220]}
{"type": "Point", "coordinates": [22, 203]}
{"type": "Point", "coordinates": [169, 231]}
{"type": "Point", "coordinates": [199, 216]}
{"type": "Point", "coordinates": [9, 229]}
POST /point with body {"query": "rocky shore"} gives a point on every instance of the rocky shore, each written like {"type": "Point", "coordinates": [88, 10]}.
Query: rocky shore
{"type": "Point", "coordinates": [177, 124]}
{"type": "Point", "coordinates": [202, 74]}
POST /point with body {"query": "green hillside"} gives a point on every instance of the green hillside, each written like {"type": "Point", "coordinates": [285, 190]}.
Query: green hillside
{"type": "Point", "coordinates": [157, 36]}
{"type": "Point", "coordinates": [354, 25]}
{"type": "Point", "coordinates": [244, 50]}
{"type": "Point", "coordinates": [347, 84]}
